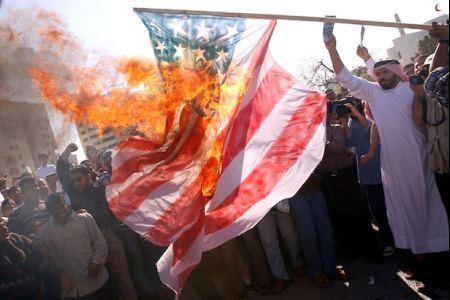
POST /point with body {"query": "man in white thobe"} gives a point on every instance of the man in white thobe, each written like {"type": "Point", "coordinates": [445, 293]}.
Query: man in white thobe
{"type": "Point", "coordinates": [415, 211]}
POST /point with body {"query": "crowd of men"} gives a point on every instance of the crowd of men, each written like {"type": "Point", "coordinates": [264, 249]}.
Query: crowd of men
{"type": "Point", "coordinates": [382, 185]}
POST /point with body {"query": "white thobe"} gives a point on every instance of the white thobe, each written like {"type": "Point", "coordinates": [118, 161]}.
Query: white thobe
{"type": "Point", "coordinates": [415, 211]}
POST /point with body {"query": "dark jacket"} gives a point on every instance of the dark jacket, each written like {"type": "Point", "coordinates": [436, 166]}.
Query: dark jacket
{"type": "Point", "coordinates": [92, 199]}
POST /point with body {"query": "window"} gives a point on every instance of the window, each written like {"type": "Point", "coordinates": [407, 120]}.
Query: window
{"type": "Point", "coordinates": [111, 138]}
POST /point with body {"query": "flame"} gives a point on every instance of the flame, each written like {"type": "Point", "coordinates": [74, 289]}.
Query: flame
{"type": "Point", "coordinates": [124, 93]}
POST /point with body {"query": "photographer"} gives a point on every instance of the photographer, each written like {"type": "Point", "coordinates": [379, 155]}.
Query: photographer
{"type": "Point", "coordinates": [340, 187]}
{"type": "Point", "coordinates": [430, 108]}
{"type": "Point", "coordinates": [358, 130]}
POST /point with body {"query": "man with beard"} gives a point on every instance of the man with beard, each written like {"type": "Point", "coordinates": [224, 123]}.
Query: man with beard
{"type": "Point", "coordinates": [415, 211]}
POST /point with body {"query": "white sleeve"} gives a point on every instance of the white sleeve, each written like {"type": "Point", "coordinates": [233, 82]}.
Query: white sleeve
{"type": "Point", "coordinates": [358, 87]}
{"type": "Point", "coordinates": [370, 64]}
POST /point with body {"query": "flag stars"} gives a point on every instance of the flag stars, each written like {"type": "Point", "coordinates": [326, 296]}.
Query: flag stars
{"type": "Point", "coordinates": [199, 54]}
{"type": "Point", "coordinates": [177, 27]}
{"type": "Point", "coordinates": [179, 51]}
{"type": "Point", "coordinates": [203, 31]}
{"type": "Point", "coordinates": [232, 31]}
{"type": "Point", "coordinates": [161, 46]}
{"type": "Point", "coordinates": [222, 56]}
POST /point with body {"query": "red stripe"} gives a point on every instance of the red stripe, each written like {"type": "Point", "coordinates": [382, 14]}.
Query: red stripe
{"type": "Point", "coordinates": [260, 51]}
{"type": "Point", "coordinates": [132, 197]}
{"type": "Point", "coordinates": [138, 163]}
{"type": "Point", "coordinates": [183, 212]}
{"type": "Point", "coordinates": [270, 92]}
{"type": "Point", "coordinates": [278, 160]}
{"type": "Point", "coordinates": [185, 241]}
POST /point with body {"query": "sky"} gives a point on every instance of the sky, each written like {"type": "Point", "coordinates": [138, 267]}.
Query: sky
{"type": "Point", "coordinates": [110, 26]}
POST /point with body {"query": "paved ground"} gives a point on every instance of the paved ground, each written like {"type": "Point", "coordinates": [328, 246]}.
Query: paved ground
{"type": "Point", "coordinates": [390, 283]}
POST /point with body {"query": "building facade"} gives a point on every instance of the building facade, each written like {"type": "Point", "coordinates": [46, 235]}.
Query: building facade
{"type": "Point", "coordinates": [25, 132]}
{"type": "Point", "coordinates": [100, 140]}
{"type": "Point", "coordinates": [406, 45]}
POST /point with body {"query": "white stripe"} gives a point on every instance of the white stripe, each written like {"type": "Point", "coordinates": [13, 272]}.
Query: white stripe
{"type": "Point", "coordinates": [255, 150]}
{"type": "Point", "coordinates": [286, 188]}
{"type": "Point", "coordinates": [157, 202]}
{"type": "Point", "coordinates": [113, 190]}
{"type": "Point", "coordinates": [169, 273]}
{"type": "Point", "coordinates": [125, 154]}
{"type": "Point", "coordinates": [250, 38]}
{"type": "Point", "coordinates": [164, 266]}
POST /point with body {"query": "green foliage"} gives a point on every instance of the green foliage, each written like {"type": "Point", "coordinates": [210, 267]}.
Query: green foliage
{"type": "Point", "coordinates": [427, 45]}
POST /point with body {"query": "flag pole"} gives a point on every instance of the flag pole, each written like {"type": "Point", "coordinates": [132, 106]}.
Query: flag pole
{"type": "Point", "coordinates": [283, 17]}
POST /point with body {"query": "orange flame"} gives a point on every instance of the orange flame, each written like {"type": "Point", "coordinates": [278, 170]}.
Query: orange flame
{"type": "Point", "coordinates": [132, 92]}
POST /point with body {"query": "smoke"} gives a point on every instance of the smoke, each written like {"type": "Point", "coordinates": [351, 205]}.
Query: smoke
{"type": "Point", "coordinates": [21, 49]}
{"type": "Point", "coordinates": [41, 58]}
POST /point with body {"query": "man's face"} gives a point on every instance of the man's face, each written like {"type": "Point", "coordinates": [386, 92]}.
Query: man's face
{"type": "Point", "coordinates": [16, 194]}
{"type": "Point", "coordinates": [419, 63]}
{"type": "Point", "coordinates": [51, 182]}
{"type": "Point", "coordinates": [386, 78]}
{"type": "Point", "coordinates": [31, 191]}
{"type": "Point", "coordinates": [92, 154]}
{"type": "Point", "coordinates": [80, 181]}
{"type": "Point", "coordinates": [43, 160]}
{"type": "Point", "coordinates": [43, 189]}
{"type": "Point", "coordinates": [331, 95]}
{"type": "Point", "coordinates": [60, 211]}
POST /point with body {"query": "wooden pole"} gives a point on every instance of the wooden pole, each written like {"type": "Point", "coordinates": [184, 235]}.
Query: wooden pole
{"type": "Point", "coordinates": [284, 17]}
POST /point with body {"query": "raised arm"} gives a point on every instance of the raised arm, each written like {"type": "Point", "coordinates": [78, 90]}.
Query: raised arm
{"type": "Point", "coordinates": [63, 167]}
{"type": "Point", "coordinates": [418, 104]}
{"type": "Point", "coordinates": [361, 118]}
{"type": "Point", "coordinates": [358, 87]}
{"type": "Point", "coordinates": [364, 54]}
{"type": "Point", "coordinates": [440, 58]}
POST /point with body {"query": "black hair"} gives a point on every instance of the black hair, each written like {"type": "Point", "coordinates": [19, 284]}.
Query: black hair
{"type": "Point", "coordinates": [80, 169]}
{"type": "Point", "coordinates": [26, 180]}
{"type": "Point", "coordinates": [54, 198]}
{"type": "Point", "coordinates": [43, 155]}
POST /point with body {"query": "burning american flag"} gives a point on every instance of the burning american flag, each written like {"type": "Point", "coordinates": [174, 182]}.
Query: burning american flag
{"type": "Point", "coordinates": [226, 132]}
{"type": "Point", "coordinates": [247, 136]}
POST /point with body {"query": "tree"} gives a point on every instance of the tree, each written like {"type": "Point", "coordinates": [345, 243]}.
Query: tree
{"type": "Point", "coordinates": [318, 76]}
{"type": "Point", "coordinates": [427, 45]}
{"type": "Point", "coordinates": [362, 72]}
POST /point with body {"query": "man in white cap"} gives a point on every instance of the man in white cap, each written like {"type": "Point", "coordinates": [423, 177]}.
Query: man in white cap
{"type": "Point", "coordinates": [415, 211]}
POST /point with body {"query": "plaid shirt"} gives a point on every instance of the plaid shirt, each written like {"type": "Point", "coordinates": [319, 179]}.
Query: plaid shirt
{"type": "Point", "coordinates": [436, 85]}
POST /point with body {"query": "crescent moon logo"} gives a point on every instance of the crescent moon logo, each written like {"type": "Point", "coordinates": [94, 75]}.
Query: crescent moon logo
{"type": "Point", "coordinates": [436, 8]}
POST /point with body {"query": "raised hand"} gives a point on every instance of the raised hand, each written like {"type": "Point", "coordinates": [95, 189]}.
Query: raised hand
{"type": "Point", "coordinates": [71, 148]}
{"type": "Point", "coordinates": [331, 44]}
{"type": "Point", "coordinates": [363, 53]}
{"type": "Point", "coordinates": [439, 31]}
